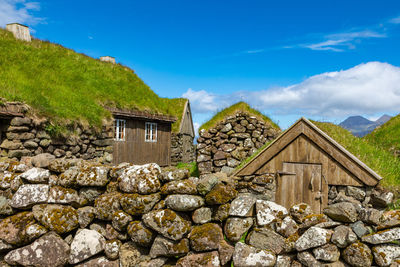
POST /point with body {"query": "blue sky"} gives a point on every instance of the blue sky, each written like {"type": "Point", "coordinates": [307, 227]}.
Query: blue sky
{"type": "Point", "coordinates": [320, 59]}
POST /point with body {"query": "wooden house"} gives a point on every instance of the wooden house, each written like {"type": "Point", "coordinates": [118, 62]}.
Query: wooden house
{"type": "Point", "coordinates": [306, 162]}
{"type": "Point", "coordinates": [141, 137]}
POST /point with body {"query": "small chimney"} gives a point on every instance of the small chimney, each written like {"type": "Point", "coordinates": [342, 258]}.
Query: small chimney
{"type": "Point", "coordinates": [108, 59]}
{"type": "Point", "coordinates": [21, 32]}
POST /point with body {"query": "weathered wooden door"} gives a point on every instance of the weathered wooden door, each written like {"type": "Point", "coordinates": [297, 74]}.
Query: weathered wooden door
{"type": "Point", "coordinates": [300, 182]}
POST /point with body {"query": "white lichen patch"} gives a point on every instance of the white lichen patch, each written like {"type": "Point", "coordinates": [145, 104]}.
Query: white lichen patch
{"type": "Point", "coordinates": [30, 194]}
{"type": "Point", "coordinates": [86, 243]}
{"type": "Point", "coordinates": [36, 175]}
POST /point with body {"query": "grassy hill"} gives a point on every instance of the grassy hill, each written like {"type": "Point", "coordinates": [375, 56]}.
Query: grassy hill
{"type": "Point", "coordinates": [381, 161]}
{"type": "Point", "coordinates": [66, 86]}
{"type": "Point", "coordinates": [386, 136]}
{"type": "Point", "coordinates": [240, 106]}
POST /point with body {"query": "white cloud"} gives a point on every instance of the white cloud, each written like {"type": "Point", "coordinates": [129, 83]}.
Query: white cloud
{"type": "Point", "coordinates": [395, 20]}
{"type": "Point", "coordinates": [18, 11]}
{"type": "Point", "coordinates": [366, 89]}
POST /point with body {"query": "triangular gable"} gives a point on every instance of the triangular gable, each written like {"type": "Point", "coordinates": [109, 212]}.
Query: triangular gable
{"type": "Point", "coordinates": [187, 116]}
{"type": "Point", "coordinates": [323, 141]}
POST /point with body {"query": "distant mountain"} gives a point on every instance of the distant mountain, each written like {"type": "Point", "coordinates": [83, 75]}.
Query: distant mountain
{"type": "Point", "coordinates": [360, 126]}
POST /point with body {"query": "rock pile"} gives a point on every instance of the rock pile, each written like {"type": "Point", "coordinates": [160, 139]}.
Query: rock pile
{"type": "Point", "coordinates": [80, 213]}
{"type": "Point", "coordinates": [231, 141]}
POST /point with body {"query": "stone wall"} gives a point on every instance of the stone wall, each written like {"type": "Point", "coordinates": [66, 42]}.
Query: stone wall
{"type": "Point", "coordinates": [231, 141]}
{"type": "Point", "coordinates": [27, 136]}
{"type": "Point", "coordinates": [182, 148]}
{"type": "Point", "coordinates": [80, 213]}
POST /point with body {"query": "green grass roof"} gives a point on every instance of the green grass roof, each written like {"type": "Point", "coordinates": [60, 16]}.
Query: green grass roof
{"type": "Point", "coordinates": [386, 136]}
{"type": "Point", "coordinates": [381, 161]}
{"type": "Point", "coordinates": [66, 86]}
{"type": "Point", "coordinates": [232, 110]}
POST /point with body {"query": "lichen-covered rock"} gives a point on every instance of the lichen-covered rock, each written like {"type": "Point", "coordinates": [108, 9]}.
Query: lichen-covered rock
{"type": "Point", "coordinates": [313, 237]}
{"type": "Point", "coordinates": [221, 194]}
{"type": "Point", "coordinates": [28, 195]}
{"type": "Point", "coordinates": [287, 227]}
{"type": "Point", "coordinates": [343, 236]}
{"type": "Point", "coordinates": [390, 218]}
{"type": "Point", "coordinates": [202, 215]}
{"type": "Point", "coordinates": [142, 179]}
{"type": "Point", "coordinates": [283, 261]}
{"type": "Point", "coordinates": [129, 255]}
{"type": "Point", "coordinates": [206, 237]}
{"type": "Point", "coordinates": [358, 254]}
{"type": "Point", "coordinates": [86, 244]}
{"type": "Point", "coordinates": [385, 254]}
{"type": "Point", "coordinates": [61, 195]}
{"type": "Point", "coordinates": [42, 160]}
{"type": "Point", "coordinates": [140, 234]}
{"type": "Point", "coordinates": [99, 262]}
{"type": "Point", "coordinates": [355, 192]}
{"type": "Point", "coordinates": [184, 202]}
{"type": "Point", "coordinates": [268, 211]}
{"type": "Point", "coordinates": [242, 206]}
{"type": "Point", "coordinates": [381, 199]}
{"type": "Point", "coordinates": [14, 228]}
{"type": "Point", "coordinates": [58, 218]}
{"type": "Point", "coordinates": [59, 165]}
{"type": "Point", "coordinates": [206, 183]}
{"type": "Point", "coordinates": [5, 208]}
{"type": "Point", "coordinates": [313, 219]}
{"type": "Point", "coordinates": [158, 262]}
{"type": "Point", "coordinates": [360, 229]}
{"type": "Point", "coordinates": [106, 205]}
{"type": "Point", "coordinates": [236, 227]}
{"type": "Point", "coordinates": [264, 238]}
{"type": "Point", "coordinates": [221, 213]}
{"type": "Point", "coordinates": [135, 204]}
{"type": "Point", "coordinates": [86, 215]}
{"type": "Point", "coordinates": [208, 259]}
{"type": "Point", "coordinates": [300, 211]}
{"type": "Point", "coordinates": [328, 252]}
{"type": "Point", "coordinates": [93, 175]}
{"type": "Point", "coordinates": [68, 178]}
{"type": "Point", "coordinates": [111, 249]}
{"type": "Point", "coordinates": [186, 186]}
{"type": "Point", "coordinates": [48, 251]}
{"type": "Point", "coordinates": [106, 230]}
{"type": "Point", "coordinates": [370, 216]}
{"type": "Point", "coordinates": [248, 256]}
{"type": "Point", "coordinates": [342, 212]}
{"type": "Point", "coordinates": [174, 175]}
{"type": "Point", "coordinates": [36, 175]}
{"type": "Point", "coordinates": [166, 247]}
{"type": "Point", "coordinates": [381, 237]}
{"type": "Point", "coordinates": [225, 252]}
{"type": "Point", "coordinates": [120, 220]}
{"type": "Point", "coordinates": [168, 223]}
{"type": "Point", "coordinates": [307, 259]}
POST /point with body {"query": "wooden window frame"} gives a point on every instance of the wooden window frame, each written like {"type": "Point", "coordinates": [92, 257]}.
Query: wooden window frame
{"type": "Point", "coordinates": [119, 124]}
{"type": "Point", "coordinates": [150, 132]}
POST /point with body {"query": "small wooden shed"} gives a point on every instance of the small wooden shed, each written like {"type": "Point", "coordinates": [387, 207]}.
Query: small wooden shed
{"type": "Point", "coordinates": [306, 161]}
{"type": "Point", "coordinates": [183, 149]}
{"type": "Point", "coordinates": [141, 137]}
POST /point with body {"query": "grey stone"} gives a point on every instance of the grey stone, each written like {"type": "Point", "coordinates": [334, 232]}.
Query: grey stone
{"type": "Point", "coordinates": [206, 183]}
{"type": "Point", "coordinates": [313, 237]}
{"type": "Point", "coordinates": [385, 236]}
{"type": "Point", "coordinates": [381, 199]}
{"type": "Point", "coordinates": [358, 254]}
{"type": "Point", "coordinates": [42, 160]}
{"type": "Point", "coordinates": [370, 216]}
{"type": "Point", "coordinates": [36, 175]}
{"type": "Point", "coordinates": [20, 121]}
{"type": "Point", "coordinates": [129, 255]}
{"type": "Point", "coordinates": [227, 127]}
{"type": "Point", "coordinates": [206, 237]}
{"type": "Point", "coordinates": [30, 144]}
{"type": "Point", "coordinates": [5, 208]}
{"type": "Point", "coordinates": [236, 227]}
{"type": "Point", "coordinates": [11, 144]}
{"type": "Point", "coordinates": [107, 204]}
{"type": "Point", "coordinates": [99, 262]}
{"type": "Point", "coordinates": [165, 247]}
{"type": "Point", "coordinates": [390, 218]}
{"type": "Point", "coordinates": [28, 195]}
{"type": "Point", "coordinates": [287, 227]}
{"type": "Point", "coordinates": [342, 212]}
{"type": "Point", "coordinates": [58, 218]}
{"type": "Point", "coordinates": [86, 244]}
{"type": "Point", "coordinates": [93, 175]}
{"type": "Point", "coordinates": [142, 179]}
{"type": "Point", "coordinates": [268, 211]}
{"type": "Point", "coordinates": [359, 229]}
{"type": "Point", "coordinates": [135, 204]}
{"type": "Point", "coordinates": [242, 206]}
{"type": "Point", "coordinates": [264, 238]}
{"type": "Point", "coordinates": [248, 256]}
{"type": "Point", "coordinates": [48, 251]}
{"type": "Point", "coordinates": [328, 252]}
{"type": "Point", "coordinates": [86, 215]}
{"type": "Point", "coordinates": [202, 215]}
{"type": "Point", "coordinates": [184, 202]}
{"type": "Point", "coordinates": [111, 249]}
{"type": "Point", "coordinates": [140, 234]}
{"type": "Point", "coordinates": [14, 228]}
{"type": "Point", "coordinates": [300, 211]}
{"type": "Point", "coordinates": [385, 255]}
{"type": "Point", "coordinates": [186, 186]}
{"type": "Point", "coordinates": [343, 236]}
{"type": "Point", "coordinates": [121, 220]}
{"type": "Point", "coordinates": [207, 259]}
{"type": "Point", "coordinates": [355, 192]}
{"type": "Point", "coordinates": [307, 259]}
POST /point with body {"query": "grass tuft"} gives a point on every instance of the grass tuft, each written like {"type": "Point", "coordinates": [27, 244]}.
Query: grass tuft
{"type": "Point", "coordinates": [192, 167]}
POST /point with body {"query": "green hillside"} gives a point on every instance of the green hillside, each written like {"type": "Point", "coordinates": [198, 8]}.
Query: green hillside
{"type": "Point", "coordinates": [386, 136]}
{"type": "Point", "coordinates": [240, 106]}
{"type": "Point", "coordinates": [67, 86]}
{"type": "Point", "coordinates": [381, 161]}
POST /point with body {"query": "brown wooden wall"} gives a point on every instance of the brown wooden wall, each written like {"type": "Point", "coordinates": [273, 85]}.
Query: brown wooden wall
{"type": "Point", "coordinates": [135, 150]}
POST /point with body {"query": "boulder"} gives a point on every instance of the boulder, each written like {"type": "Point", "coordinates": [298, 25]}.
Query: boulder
{"type": "Point", "coordinates": [86, 244]}
{"type": "Point", "coordinates": [68, 178]}
{"type": "Point", "coordinates": [168, 223]}
{"type": "Point", "coordinates": [300, 211]}
{"type": "Point", "coordinates": [93, 175]}
{"type": "Point", "coordinates": [58, 218]}
{"type": "Point", "coordinates": [86, 215]}
{"type": "Point", "coordinates": [28, 195]}
{"type": "Point", "coordinates": [328, 252]}
{"type": "Point", "coordinates": [236, 227]}
{"type": "Point", "coordinates": [166, 247]}
{"type": "Point", "coordinates": [359, 229]}
{"type": "Point", "coordinates": [358, 254]}
{"type": "Point", "coordinates": [221, 194]}
{"type": "Point", "coordinates": [343, 236]}
{"type": "Point", "coordinates": [62, 195]}
{"type": "Point", "coordinates": [135, 204]}
{"type": "Point", "coordinates": [175, 175]}
{"type": "Point", "coordinates": [206, 237]}
{"type": "Point", "coordinates": [106, 205]}
{"type": "Point", "coordinates": [140, 234]}
{"type": "Point", "coordinates": [248, 256]}
{"type": "Point", "coordinates": [184, 202]}
{"type": "Point", "coordinates": [202, 215]}
{"type": "Point", "coordinates": [242, 206]}
{"type": "Point", "coordinates": [111, 249]}
{"type": "Point", "coordinates": [42, 160]}
{"type": "Point", "coordinates": [221, 213]}
{"type": "Point", "coordinates": [307, 259]}
{"type": "Point", "coordinates": [370, 216]}
{"type": "Point", "coordinates": [186, 186]}
{"type": "Point", "coordinates": [5, 208]}
{"type": "Point", "coordinates": [142, 179]}
{"type": "Point", "coordinates": [206, 183]}
{"type": "Point", "coordinates": [36, 175]}
{"type": "Point", "coordinates": [381, 237]}
{"type": "Point", "coordinates": [6, 179]}
{"type": "Point", "coordinates": [157, 262]}
{"type": "Point", "coordinates": [268, 211]}
{"type": "Point", "coordinates": [381, 199]}
{"type": "Point", "coordinates": [287, 227]}
{"type": "Point", "coordinates": [313, 237]}
{"type": "Point", "coordinates": [129, 255]}
{"type": "Point", "coordinates": [14, 228]}
{"type": "Point", "coordinates": [225, 252]}
{"type": "Point", "coordinates": [207, 259]}
{"type": "Point", "coordinates": [342, 212]}
{"type": "Point", "coordinates": [390, 218]}
{"type": "Point", "coordinates": [120, 220]}
{"type": "Point", "coordinates": [385, 255]}
{"type": "Point", "coordinates": [48, 251]}
{"type": "Point", "coordinates": [264, 238]}
{"type": "Point", "coordinates": [355, 192]}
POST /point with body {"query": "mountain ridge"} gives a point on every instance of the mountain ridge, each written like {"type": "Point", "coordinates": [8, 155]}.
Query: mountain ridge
{"type": "Point", "coordinates": [360, 126]}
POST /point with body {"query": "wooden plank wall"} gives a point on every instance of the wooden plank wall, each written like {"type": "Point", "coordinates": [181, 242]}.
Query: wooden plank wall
{"type": "Point", "coordinates": [135, 150]}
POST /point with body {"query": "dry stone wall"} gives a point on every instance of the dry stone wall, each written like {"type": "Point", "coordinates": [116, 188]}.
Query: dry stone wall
{"type": "Point", "coordinates": [82, 213]}
{"type": "Point", "coordinates": [182, 148]}
{"type": "Point", "coordinates": [231, 141]}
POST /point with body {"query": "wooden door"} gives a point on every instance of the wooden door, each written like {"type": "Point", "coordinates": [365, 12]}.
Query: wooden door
{"type": "Point", "coordinates": [300, 182]}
